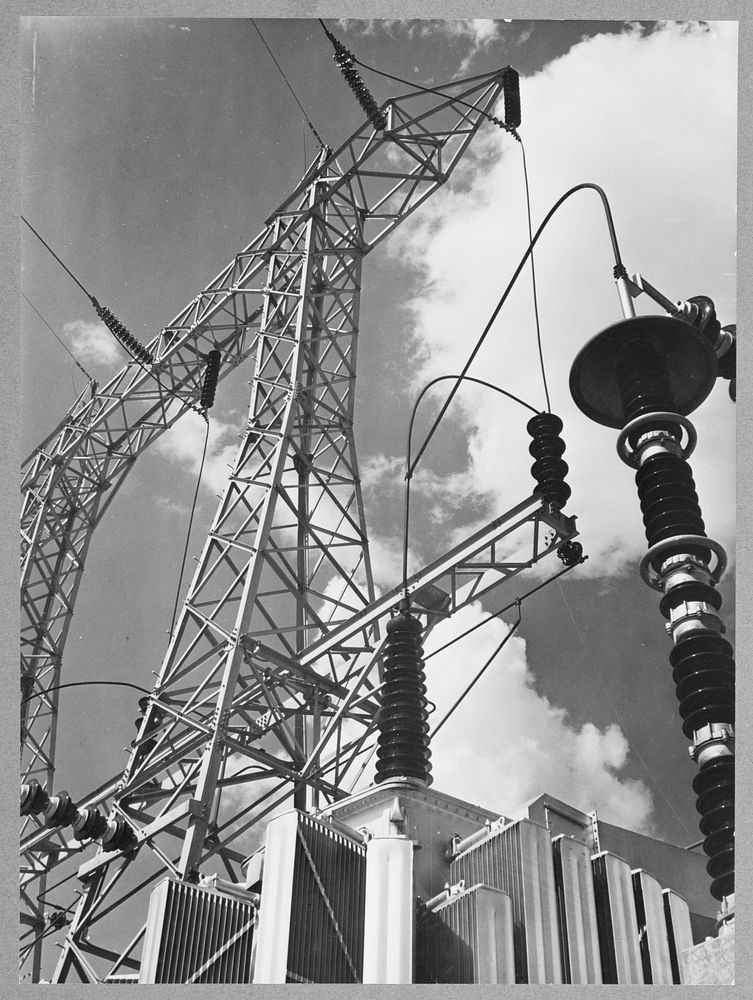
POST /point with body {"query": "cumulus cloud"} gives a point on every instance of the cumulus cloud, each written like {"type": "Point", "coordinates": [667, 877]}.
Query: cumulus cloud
{"type": "Point", "coordinates": [625, 112]}
{"type": "Point", "coordinates": [478, 33]}
{"type": "Point", "coordinates": [184, 441]}
{"type": "Point", "coordinates": [93, 342]}
{"type": "Point", "coordinates": [507, 743]}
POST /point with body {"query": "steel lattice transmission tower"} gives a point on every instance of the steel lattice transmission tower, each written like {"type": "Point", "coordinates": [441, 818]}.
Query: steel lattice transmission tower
{"type": "Point", "coordinates": [268, 682]}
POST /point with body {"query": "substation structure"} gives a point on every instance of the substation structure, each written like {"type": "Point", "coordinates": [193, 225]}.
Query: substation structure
{"type": "Point", "coordinates": [282, 657]}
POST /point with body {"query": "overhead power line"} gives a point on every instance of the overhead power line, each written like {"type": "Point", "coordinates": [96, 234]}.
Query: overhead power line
{"type": "Point", "coordinates": [310, 124]}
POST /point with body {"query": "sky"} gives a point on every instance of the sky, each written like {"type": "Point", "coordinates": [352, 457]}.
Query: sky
{"type": "Point", "coordinates": [154, 149]}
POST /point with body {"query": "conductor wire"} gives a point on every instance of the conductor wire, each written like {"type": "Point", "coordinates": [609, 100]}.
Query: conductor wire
{"type": "Point", "coordinates": [411, 467]}
{"type": "Point", "coordinates": [587, 185]}
{"type": "Point", "coordinates": [188, 533]}
{"type": "Point", "coordinates": [310, 124]}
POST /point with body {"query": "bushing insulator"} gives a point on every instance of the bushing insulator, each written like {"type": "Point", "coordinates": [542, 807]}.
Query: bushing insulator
{"type": "Point", "coordinates": [403, 744]}
{"type": "Point", "coordinates": [715, 786]}
{"type": "Point", "coordinates": [549, 469]}
{"type": "Point", "coordinates": [704, 675]}
{"type": "Point", "coordinates": [669, 502]}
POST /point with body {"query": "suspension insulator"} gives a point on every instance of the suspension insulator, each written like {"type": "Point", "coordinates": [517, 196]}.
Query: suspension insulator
{"type": "Point", "coordinates": [122, 334]}
{"type": "Point", "coordinates": [89, 824]}
{"type": "Point", "coordinates": [511, 92]}
{"type": "Point", "coordinates": [33, 798]}
{"type": "Point", "coordinates": [715, 786]}
{"type": "Point", "coordinates": [211, 375]}
{"type": "Point", "coordinates": [403, 744]}
{"type": "Point", "coordinates": [704, 675]}
{"type": "Point", "coordinates": [346, 63]}
{"type": "Point", "coordinates": [60, 810]}
{"type": "Point", "coordinates": [549, 469]}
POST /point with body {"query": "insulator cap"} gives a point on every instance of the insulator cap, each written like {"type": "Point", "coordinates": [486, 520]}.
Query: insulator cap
{"type": "Point", "coordinates": [60, 810]}
{"type": "Point", "coordinates": [689, 359]}
{"type": "Point", "coordinates": [33, 798]}
{"type": "Point", "coordinates": [88, 824]}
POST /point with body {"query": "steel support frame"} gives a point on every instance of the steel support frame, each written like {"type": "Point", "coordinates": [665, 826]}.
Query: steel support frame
{"type": "Point", "coordinates": [292, 296]}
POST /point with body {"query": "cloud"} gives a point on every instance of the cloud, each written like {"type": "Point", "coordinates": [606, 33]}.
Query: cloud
{"type": "Point", "coordinates": [184, 441]}
{"type": "Point", "coordinates": [623, 111]}
{"type": "Point", "coordinates": [479, 33]}
{"type": "Point", "coordinates": [504, 727]}
{"type": "Point", "coordinates": [94, 342]}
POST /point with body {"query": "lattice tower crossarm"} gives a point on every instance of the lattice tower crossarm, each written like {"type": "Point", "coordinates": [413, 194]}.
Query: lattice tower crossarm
{"type": "Point", "coordinates": [292, 297]}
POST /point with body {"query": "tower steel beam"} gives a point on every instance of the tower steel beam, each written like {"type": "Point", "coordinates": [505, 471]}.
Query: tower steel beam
{"type": "Point", "coordinates": [286, 559]}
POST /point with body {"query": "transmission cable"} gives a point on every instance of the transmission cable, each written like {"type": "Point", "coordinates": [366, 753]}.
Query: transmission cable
{"type": "Point", "coordinates": [188, 533]}
{"type": "Point", "coordinates": [496, 614]}
{"type": "Point", "coordinates": [69, 684]}
{"type": "Point", "coordinates": [484, 668]}
{"type": "Point", "coordinates": [310, 124]}
{"type": "Point", "coordinates": [117, 329]}
{"type": "Point", "coordinates": [410, 468]}
{"type": "Point", "coordinates": [533, 278]}
{"type": "Point", "coordinates": [618, 271]}
{"type": "Point", "coordinates": [59, 339]}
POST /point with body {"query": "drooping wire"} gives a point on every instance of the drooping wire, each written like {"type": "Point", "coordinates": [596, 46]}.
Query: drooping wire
{"type": "Point", "coordinates": [533, 277]}
{"type": "Point", "coordinates": [310, 124]}
{"type": "Point", "coordinates": [618, 268]}
{"type": "Point", "coordinates": [411, 467]}
{"type": "Point", "coordinates": [70, 684]}
{"type": "Point", "coordinates": [513, 628]}
{"type": "Point", "coordinates": [188, 533]}
{"type": "Point", "coordinates": [59, 339]}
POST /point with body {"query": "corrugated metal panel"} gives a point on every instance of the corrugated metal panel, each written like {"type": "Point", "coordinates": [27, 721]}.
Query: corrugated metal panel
{"type": "Point", "coordinates": [196, 935]}
{"type": "Point", "coordinates": [467, 939]}
{"type": "Point", "coordinates": [327, 912]}
{"type": "Point", "coordinates": [576, 911]}
{"type": "Point", "coordinates": [652, 928]}
{"type": "Point", "coordinates": [619, 945]}
{"type": "Point", "coordinates": [518, 860]}
{"type": "Point", "coordinates": [679, 929]}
